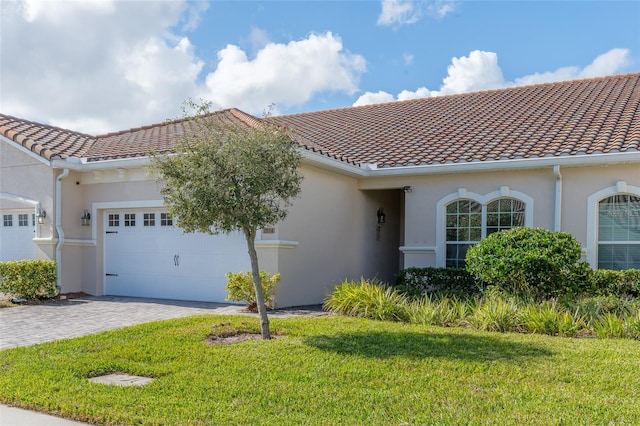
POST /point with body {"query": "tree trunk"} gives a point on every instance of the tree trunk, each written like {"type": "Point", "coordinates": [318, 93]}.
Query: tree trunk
{"type": "Point", "coordinates": [250, 235]}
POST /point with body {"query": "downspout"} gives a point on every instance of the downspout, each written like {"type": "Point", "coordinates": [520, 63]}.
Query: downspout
{"type": "Point", "coordinates": [59, 229]}
{"type": "Point", "coordinates": [557, 223]}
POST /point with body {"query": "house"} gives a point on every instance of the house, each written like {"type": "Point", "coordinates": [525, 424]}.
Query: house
{"type": "Point", "coordinates": [387, 186]}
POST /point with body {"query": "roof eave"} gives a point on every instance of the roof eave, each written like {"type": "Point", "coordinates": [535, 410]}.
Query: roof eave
{"type": "Point", "coordinates": [510, 164]}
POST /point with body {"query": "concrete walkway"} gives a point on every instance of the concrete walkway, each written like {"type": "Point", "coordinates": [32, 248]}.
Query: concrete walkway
{"type": "Point", "coordinates": [32, 324]}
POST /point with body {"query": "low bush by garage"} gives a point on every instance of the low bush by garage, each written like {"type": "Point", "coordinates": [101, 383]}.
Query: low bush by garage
{"type": "Point", "coordinates": [29, 279]}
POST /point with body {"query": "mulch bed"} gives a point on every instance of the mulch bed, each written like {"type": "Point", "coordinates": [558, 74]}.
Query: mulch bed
{"type": "Point", "coordinates": [225, 334]}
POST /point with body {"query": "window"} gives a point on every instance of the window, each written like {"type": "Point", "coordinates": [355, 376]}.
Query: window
{"type": "Point", "coordinates": [7, 220]}
{"type": "Point", "coordinates": [149, 219]}
{"type": "Point", "coordinates": [504, 213]}
{"type": "Point", "coordinates": [166, 219]}
{"type": "Point", "coordinates": [619, 232]}
{"type": "Point", "coordinates": [129, 219]}
{"type": "Point", "coordinates": [464, 228]}
{"type": "Point", "coordinates": [23, 219]}
{"type": "Point", "coordinates": [114, 220]}
{"type": "Point", "coordinates": [468, 221]}
{"type": "Point", "coordinates": [33, 219]}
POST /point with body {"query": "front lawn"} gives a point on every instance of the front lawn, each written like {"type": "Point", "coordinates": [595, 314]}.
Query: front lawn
{"type": "Point", "coordinates": [328, 371]}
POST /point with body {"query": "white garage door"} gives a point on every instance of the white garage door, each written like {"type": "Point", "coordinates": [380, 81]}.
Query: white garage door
{"type": "Point", "coordinates": [147, 256]}
{"type": "Point", "coordinates": [17, 230]}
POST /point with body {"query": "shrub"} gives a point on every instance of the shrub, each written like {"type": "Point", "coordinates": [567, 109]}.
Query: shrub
{"type": "Point", "coordinates": [609, 326]}
{"type": "Point", "coordinates": [29, 279]}
{"type": "Point", "coordinates": [605, 282]}
{"type": "Point", "coordinates": [549, 318]}
{"type": "Point", "coordinates": [443, 281]}
{"type": "Point", "coordinates": [441, 311]}
{"type": "Point", "coordinates": [632, 326]}
{"type": "Point", "coordinates": [240, 287]}
{"type": "Point", "coordinates": [592, 309]}
{"type": "Point", "coordinates": [496, 312]}
{"type": "Point", "coordinates": [367, 299]}
{"type": "Point", "coordinates": [528, 262]}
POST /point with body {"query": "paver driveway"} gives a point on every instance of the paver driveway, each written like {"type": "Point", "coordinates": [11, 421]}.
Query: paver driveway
{"type": "Point", "coordinates": [30, 324]}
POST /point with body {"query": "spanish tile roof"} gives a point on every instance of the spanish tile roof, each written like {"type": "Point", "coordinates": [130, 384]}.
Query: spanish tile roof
{"type": "Point", "coordinates": [47, 141]}
{"type": "Point", "coordinates": [573, 118]}
{"type": "Point", "coordinates": [53, 142]}
{"type": "Point", "coordinates": [161, 137]}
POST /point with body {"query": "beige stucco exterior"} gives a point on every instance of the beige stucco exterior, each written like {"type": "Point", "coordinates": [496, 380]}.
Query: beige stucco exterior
{"type": "Point", "coordinates": [331, 232]}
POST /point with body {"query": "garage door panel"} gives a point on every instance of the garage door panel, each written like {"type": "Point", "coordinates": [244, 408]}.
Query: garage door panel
{"type": "Point", "coordinates": [163, 262]}
{"type": "Point", "coordinates": [17, 230]}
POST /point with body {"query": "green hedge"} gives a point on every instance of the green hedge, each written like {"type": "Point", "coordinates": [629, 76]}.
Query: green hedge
{"type": "Point", "coordinates": [605, 282]}
{"type": "Point", "coordinates": [29, 279]}
{"type": "Point", "coordinates": [529, 262]}
{"type": "Point", "coordinates": [445, 281]}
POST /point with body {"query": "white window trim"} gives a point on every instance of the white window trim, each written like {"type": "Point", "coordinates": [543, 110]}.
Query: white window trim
{"type": "Point", "coordinates": [593, 201]}
{"type": "Point", "coordinates": [503, 192]}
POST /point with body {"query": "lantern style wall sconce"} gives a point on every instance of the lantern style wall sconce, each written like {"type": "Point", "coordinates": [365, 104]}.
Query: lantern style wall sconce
{"type": "Point", "coordinates": [406, 189]}
{"type": "Point", "coordinates": [41, 214]}
{"type": "Point", "coordinates": [382, 217]}
{"type": "Point", "coordinates": [85, 218]}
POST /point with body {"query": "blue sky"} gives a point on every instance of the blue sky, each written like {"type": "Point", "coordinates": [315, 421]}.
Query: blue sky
{"type": "Point", "coordinates": [104, 65]}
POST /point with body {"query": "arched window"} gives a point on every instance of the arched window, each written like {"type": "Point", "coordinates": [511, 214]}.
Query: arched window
{"type": "Point", "coordinates": [464, 228]}
{"type": "Point", "coordinates": [619, 232]}
{"type": "Point", "coordinates": [468, 221]}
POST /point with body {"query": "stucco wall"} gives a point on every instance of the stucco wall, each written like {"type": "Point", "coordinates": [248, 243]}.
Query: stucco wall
{"type": "Point", "coordinates": [581, 182]}
{"type": "Point", "coordinates": [335, 225]}
{"type": "Point", "coordinates": [24, 176]}
{"type": "Point", "coordinates": [331, 233]}
{"type": "Point", "coordinates": [578, 183]}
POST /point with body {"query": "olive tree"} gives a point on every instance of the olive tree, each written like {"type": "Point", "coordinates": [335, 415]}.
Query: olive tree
{"type": "Point", "coordinates": [230, 172]}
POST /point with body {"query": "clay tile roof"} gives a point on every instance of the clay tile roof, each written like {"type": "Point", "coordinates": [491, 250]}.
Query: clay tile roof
{"type": "Point", "coordinates": [160, 137]}
{"type": "Point", "coordinates": [573, 118]}
{"type": "Point", "coordinates": [600, 115]}
{"type": "Point", "coordinates": [47, 141]}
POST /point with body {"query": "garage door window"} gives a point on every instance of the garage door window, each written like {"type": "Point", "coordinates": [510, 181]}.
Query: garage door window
{"type": "Point", "coordinates": [149, 219]}
{"type": "Point", "coordinates": [23, 220]}
{"type": "Point", "coordinates": [129, 219]}
{"type": "Point", "coordinates": [7, 220]}
{"type": "Point", "coordinates": [114, 220]}
{"type": "Point", "coordinates": [166, 219]}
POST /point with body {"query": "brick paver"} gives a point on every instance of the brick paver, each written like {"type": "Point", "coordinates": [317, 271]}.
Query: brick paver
{"type": "Point", "coordinates": [30, 324]}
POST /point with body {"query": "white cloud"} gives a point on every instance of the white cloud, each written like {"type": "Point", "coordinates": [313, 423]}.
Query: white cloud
{"type": "Point", "coordinates": [608, 63]}
{"type": "Point", "coordinates": [103, 65]}
{"type": "Point", "coordinates": [440, 8]}
{"type": "Point", "coordinates": [258, 38]}
{"type": "Point", "coordinates": [404, 12]}
{"type": "Point", "coordinates": [374, 98]}
{"type": "Point", "coordinates": [399, 12]}
{"type": "Point", "coordinates": [408, 58]}
{"type": "Point", "coordinates": [94, 64]}
{"type": "Point", "coordinates": [406, 95]}
{"type": "Point", "coordinates": [480, 71]}
{"type": "Point", "coordinates": [285, 74]}
{"type": "Point", "coordinates": [194, 12]}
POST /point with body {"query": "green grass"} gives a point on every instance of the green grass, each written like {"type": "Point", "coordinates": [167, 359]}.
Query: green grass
{"type": "Point", "coordinates": [328, 371]}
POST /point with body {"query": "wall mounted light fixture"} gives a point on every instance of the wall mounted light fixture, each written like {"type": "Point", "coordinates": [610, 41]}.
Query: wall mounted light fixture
{"type": "Point", "coordinates": [382, 217]}
{"type": "Point", "coordinates": [85, 218]}
{"type": "Point", "coordinates": [407, 189]}
{"type": "Point", "coordinates": [41, 214]}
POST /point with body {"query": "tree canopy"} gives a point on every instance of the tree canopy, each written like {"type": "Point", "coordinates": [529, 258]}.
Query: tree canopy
{"type": "Point", "coordinates": [230, 172]}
